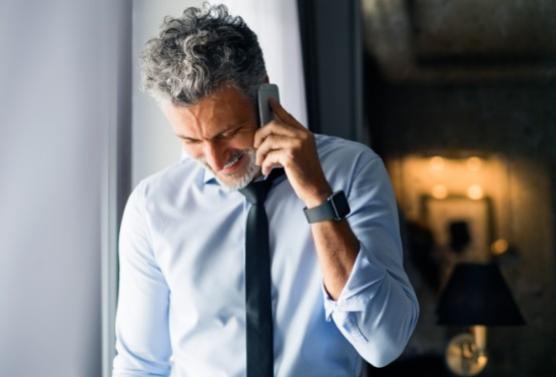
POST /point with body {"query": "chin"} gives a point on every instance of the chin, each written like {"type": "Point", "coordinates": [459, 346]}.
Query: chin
{"type": "Point", "coordinates": [241, 179]}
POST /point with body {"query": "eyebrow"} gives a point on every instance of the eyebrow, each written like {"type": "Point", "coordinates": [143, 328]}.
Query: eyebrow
{"type": "Point", "coordinates": [232, 128]}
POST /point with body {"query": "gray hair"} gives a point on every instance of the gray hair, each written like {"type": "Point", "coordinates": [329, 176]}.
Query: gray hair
{"type": "Point", "coordinates": [198, 53]}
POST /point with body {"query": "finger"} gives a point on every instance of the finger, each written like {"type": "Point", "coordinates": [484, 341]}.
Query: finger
{"type": "Point", "coordinates": [276, 128]}
{"type": "Point", "coordinates": [275, 142]}
{"type": "Point", "coordinates": [282, 114]}
{"type": "Point", "coordinates": [272, 159]}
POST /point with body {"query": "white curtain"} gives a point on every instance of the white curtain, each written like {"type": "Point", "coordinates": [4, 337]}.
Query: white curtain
{"type": "Point", "coordinates": [54, 113]}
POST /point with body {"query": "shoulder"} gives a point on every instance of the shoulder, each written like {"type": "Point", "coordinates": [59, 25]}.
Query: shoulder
{"type": "Point", "coordinates": [167, 182]}
{"type": "Point", "coordinates": [348, 164]}
{"type": "Point", "coordinates": [337, 153]}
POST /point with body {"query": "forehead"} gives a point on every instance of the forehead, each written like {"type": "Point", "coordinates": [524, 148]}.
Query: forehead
{"type": "Point", "coordinates": [221, 110]}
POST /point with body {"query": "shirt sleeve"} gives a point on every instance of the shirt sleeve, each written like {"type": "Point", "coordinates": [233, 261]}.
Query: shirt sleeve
{"type": "Point", "coordinates": [142, 335]}
{"type": "Point", "coordinates": [377, 309]}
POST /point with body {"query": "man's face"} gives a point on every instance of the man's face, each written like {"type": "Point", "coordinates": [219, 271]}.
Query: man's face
{"type": "Point", "coordinates": [218, 131]}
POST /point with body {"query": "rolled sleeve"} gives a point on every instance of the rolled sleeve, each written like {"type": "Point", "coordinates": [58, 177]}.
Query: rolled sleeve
{"type": "Point", "coordinates": [354, 297]}
{"type": "Point", "coordinates": [377, 309]}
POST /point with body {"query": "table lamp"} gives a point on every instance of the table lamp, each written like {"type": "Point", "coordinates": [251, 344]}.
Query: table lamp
{"type": "Point", "coordinates": [475, 296]}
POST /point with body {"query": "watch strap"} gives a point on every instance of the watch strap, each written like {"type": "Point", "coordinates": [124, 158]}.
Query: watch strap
{"type": "Point", "coordinates": [328, 210]}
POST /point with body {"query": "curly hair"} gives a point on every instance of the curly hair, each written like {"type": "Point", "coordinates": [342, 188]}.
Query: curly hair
{"type": "Point", "coordinates": [198, 53]}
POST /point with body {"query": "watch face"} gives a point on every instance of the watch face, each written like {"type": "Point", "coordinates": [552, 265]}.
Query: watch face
{"type": "Point", "coordinates": [340, 203]}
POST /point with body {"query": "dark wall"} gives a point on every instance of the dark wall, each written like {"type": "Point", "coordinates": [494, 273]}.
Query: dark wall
{"type": "Point", "coordinates": [517, 118]}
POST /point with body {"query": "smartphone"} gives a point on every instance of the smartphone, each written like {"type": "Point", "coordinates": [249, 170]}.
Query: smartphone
{"type": "Point", "coordinates": [265, 92]}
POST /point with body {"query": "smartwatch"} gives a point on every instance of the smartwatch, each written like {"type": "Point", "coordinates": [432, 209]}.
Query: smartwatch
{"type": "Point", "coordinates": [335, 208]}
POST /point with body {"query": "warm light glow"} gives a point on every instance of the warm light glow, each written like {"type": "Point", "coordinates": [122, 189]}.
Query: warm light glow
{"type": "Point", "coordinates": [441, 175]}
{"type": "Point", "coordinates": [499, 247]}
{"type": "Point", "coordinates": [439, 192]}
{"type": "Point", "coordinates": [437, 163]}
{"type": "Point", "coordinates": [475, 192]}
{"type": "Point", "coordinates": [474, 163]}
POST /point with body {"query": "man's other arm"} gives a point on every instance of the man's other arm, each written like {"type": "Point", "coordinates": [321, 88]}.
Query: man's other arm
{"type": "Point", "coordinates": [142, 335]}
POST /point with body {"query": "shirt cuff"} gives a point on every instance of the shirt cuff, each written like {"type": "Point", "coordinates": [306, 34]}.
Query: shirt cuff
{"type": "Point", "coordinates": [354, 297]}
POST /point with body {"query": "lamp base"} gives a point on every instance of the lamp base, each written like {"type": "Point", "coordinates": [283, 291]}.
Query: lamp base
{"type": "Point", "coordinates": [464, 357]}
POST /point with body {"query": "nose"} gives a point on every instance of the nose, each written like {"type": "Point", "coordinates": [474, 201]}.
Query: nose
{"type": "Point", "coordinates": [214, 155]}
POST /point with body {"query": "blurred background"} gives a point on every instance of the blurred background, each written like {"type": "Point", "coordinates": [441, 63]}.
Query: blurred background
{"type": "Point", "coordinates": [457, 96]}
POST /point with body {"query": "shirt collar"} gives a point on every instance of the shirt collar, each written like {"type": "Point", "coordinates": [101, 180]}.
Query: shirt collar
{"type": "Point", "coordinates": [208, 176]}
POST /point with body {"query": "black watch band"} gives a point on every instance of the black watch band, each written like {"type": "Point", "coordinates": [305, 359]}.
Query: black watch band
{"type": "Point", "coordinates": [335, 207]}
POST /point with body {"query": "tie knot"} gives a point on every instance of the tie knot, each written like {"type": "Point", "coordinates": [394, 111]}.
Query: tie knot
{"type": "Point", "coordinates": [256, 192]}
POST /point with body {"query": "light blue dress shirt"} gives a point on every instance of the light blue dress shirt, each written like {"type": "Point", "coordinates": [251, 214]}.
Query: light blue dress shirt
{"type": "Point", "coordinates": [181, 307]}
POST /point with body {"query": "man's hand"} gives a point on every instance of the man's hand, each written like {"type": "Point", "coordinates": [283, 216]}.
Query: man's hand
{"type": "Point", "coordinates": [284, 141]}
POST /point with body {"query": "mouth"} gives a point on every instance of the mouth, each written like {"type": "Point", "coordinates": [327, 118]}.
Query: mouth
{"type": "Point", "coordinates": [232, 165]}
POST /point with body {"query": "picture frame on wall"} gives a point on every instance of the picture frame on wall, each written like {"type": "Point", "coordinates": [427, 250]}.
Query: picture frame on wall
{"type": "Point", "coordinates": [460, 225]}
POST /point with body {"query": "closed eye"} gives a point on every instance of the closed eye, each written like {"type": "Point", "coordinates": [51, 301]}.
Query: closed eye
{"type": "Point", "coordinates": [190, 141]}
{"type": "Point", "coordinates": [221, 136]}
{"type": "Point", "coordinates": [228, 134]}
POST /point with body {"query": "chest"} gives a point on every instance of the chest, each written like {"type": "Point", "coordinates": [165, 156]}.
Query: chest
{"type": "Point", "coordinates": [199, 243]}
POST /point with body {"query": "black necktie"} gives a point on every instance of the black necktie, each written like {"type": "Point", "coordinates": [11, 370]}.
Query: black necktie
{"type": "Point", "coordinates": [260, 357]}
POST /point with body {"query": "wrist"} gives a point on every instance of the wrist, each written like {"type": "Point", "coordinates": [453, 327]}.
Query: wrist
{"type": "Point", "coordinates": [318, 197]}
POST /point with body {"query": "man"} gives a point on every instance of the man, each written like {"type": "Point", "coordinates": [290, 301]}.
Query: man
{"type": "Point", "coordinates": [337, 287]}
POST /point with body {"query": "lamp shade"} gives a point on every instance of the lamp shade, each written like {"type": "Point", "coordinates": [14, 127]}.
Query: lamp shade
{"type": "Point", "coordinates": [477, 294]}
